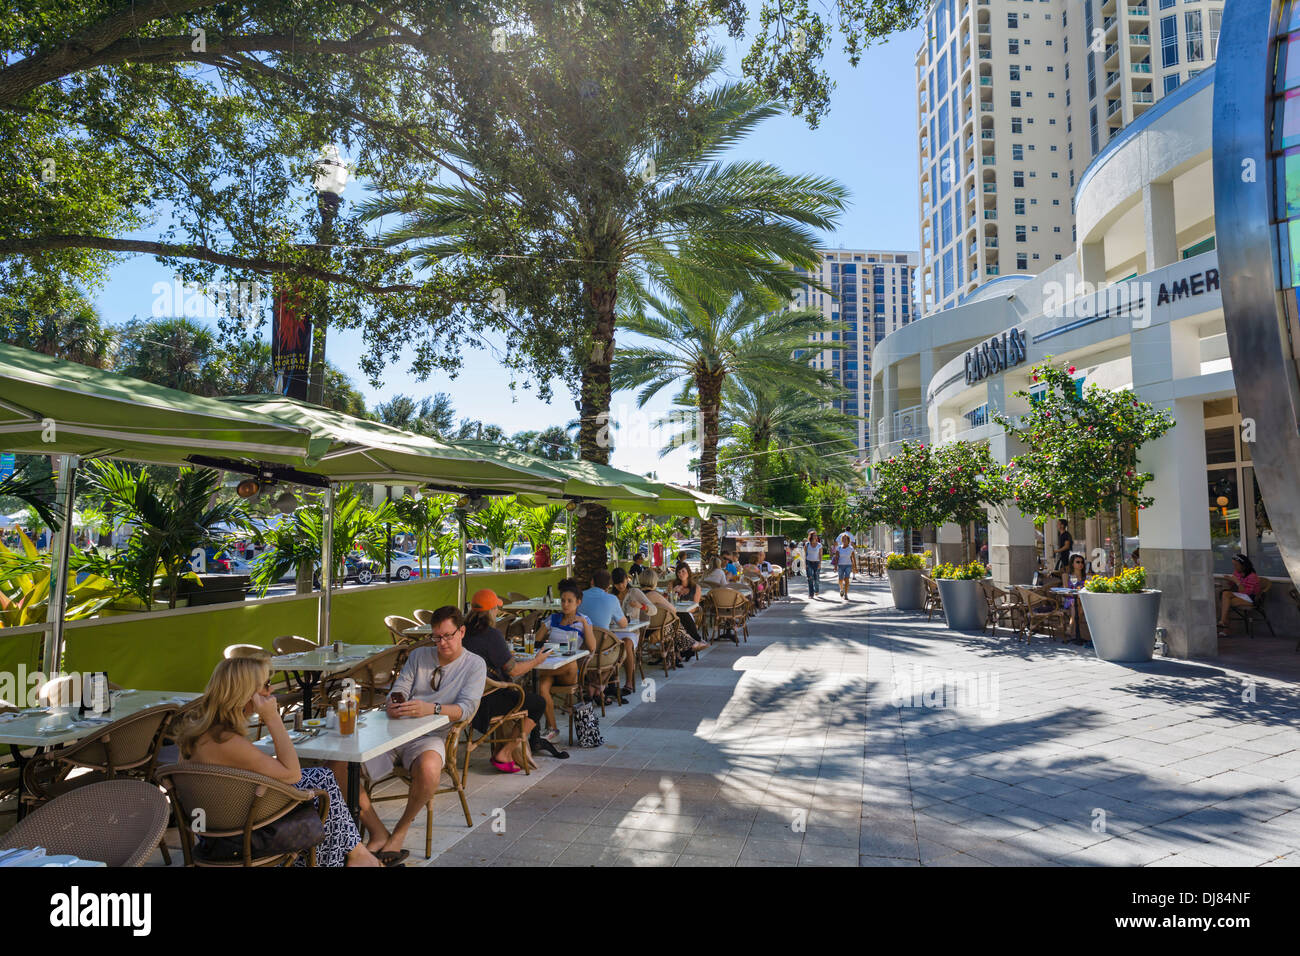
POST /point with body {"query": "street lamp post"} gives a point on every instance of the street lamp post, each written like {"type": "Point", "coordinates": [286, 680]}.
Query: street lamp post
{"type": "Point", "coordinates": [330, 181]}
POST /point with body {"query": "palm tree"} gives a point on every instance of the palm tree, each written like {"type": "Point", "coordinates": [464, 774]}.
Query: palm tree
{"type": "Point", "coordinates": [762, 419]}
{"type": "Point", "coordinates": [74, 333]}
{"type": "Point", "coordinates": [700, 339]}
{"type": "Point", "coordinates": [434, 415]}
{"type": "Point", "coordinates": [599, 221]}
{"type": "Point", "coordinates": [177, 352]}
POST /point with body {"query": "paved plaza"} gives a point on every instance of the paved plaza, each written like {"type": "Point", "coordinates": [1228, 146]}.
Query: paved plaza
{"type": "Point", "coordinates": [805, 746]}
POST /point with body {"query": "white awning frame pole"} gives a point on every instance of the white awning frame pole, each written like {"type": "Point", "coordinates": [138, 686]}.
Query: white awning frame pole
{"type": "Point", "coordinates": [462, 588]}
{"type": "Point", "coordinates": [61, 547]}
{"type": "Point", "coordinates": [326, 566]}
{"type": "Point", "coordinates": [568, 544]}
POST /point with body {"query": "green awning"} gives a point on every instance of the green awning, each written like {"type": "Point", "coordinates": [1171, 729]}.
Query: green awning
{"type": "Point", "coordinates": [346, 448]}
{"type": "Point", "coordinates": [580, 479]}
{"type": "Point", "coordinates": [53, 406]}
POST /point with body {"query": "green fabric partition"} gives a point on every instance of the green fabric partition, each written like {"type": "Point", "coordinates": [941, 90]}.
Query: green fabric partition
{"type": "Point", "coordinates": [176, 651]}
{"type": "Point", "coordinates": [20, 655]}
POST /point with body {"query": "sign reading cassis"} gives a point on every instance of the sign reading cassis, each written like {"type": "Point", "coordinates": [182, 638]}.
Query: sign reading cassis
{"type": "Point", "coordinates": [996, 355]}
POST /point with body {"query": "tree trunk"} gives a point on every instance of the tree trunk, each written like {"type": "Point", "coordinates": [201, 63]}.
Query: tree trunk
{"type": "Point", "coordinates": [709, 388]}
{"type": "Point", "coordinates": [965, 543]}
{"type": "Point", "coordinates": [590, 543]}
{"type": "Point", "coordinates": [907, 540]}
{"type": "Point", "coordinates": [303, 582]}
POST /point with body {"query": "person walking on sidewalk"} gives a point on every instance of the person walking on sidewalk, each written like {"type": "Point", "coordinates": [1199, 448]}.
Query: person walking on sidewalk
{"type": "Point", "coordinates": [812, 559]}
{"type": "Point", "coordinates": [845, 562]}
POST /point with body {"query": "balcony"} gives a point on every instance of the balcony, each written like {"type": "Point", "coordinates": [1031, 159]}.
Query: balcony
{"type": "Point", "coordinates": [1112, 78]}
{"type": "Point", "coordinates": [1107, 23]}
{"type": "Point", "coordinates": [988, 160]}
{"type": "Point", "coordinates": [909, 424]}
{"type": "Point", "coordinates": [986, 134]}
{"type": "Point", "coordinates": [990, 188]}
{"type": "Point", "coordinates": [1139, 39]}
{"type": "Point", "coordinates": [986, 107]}
{"type": "Point", "coordinates": [1141, 10]}
{"type": "Point", "coordinates": [1114, 107]}
{"type": "Point", "coordinates": [991, 270]}
{"type": "Point", "coordinates": [986, 53]}
{"type": "Point", "coordinates": [990, 243]}
{"type": "Point", "coordinates": [990, 214]}
{"type": "Point", "coordinates": [985, 29]}
{"type": "Point", "coordinates": [1144, 96]}
{"type": "Point", "coordinates": [1111, 51]}
{"type": "Point", "coordinates": [986, 81]}
{"type": "Point", "coordinates": [1141, 67]}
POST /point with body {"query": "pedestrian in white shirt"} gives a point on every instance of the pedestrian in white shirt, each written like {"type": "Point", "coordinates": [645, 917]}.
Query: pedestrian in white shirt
{"type": "Point", "coordinates": [812, 557]}
{"type": "Point", "coordinates": [845, 561]}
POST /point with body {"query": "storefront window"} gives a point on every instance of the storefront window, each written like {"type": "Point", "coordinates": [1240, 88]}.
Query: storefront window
{"type": "Point", "coordinates": [1220, 446]}
{"type": "Point", "coordinates": [1264, 550]}
{"type": "Point", "coordinates": [1225, 518]}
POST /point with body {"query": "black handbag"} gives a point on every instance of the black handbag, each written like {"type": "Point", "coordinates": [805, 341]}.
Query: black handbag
{"type": "Point", "coordinates": [296, 832]}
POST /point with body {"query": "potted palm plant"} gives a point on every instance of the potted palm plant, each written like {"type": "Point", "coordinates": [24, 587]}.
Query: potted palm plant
{"type": "Point", "coordinates": [1083, 456]}
{"type": "Point", "coordinates": [964, 607]}
{"type": "Point", "coordinates": [498, 525]}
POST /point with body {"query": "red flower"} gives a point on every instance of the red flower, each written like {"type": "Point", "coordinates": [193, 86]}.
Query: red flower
{"type": "Point", "coordinates": [1035, 377]}
{"type": "Point", "coordinates": [1071, 369]}
{"type": "Point", "coordinates": [904, 487]}
{"type": "Point", "coordinates": [952, 491]}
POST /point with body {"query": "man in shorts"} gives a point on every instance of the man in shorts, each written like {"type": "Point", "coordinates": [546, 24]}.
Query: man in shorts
{"type": "Point", "coordinates": [440, 677]}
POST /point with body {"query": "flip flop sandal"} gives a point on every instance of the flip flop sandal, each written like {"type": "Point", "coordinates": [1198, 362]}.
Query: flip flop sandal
{"type": "Point", "coordinates": [545, 746]}
{"type": "Point", "coordinates": [392, 857]}
{"type": "Point", "coordinates": [508, 766]}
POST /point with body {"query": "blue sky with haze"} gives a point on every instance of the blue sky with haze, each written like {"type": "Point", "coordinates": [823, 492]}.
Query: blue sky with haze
{"type": "Point", "coordinates": [867, 142]}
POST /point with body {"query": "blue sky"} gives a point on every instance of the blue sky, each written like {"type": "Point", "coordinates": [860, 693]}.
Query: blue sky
{"type": "Point", "coordinates": [867, 142]}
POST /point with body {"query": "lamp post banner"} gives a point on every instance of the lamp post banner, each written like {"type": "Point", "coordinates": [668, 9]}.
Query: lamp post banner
{"type": "Point", "coordinates": [290, 343]}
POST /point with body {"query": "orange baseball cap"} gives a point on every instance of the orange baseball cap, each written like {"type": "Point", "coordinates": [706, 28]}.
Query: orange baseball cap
{"type": "Point", "coordinates": [485, 600]}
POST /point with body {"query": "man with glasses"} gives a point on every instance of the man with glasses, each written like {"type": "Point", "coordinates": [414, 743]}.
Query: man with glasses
{"type": "Point", "coordinates": [439, 677]}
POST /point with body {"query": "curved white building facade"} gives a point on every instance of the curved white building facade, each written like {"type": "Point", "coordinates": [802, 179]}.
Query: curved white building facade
{"type": "Point", "coordinates": [1137, 306]}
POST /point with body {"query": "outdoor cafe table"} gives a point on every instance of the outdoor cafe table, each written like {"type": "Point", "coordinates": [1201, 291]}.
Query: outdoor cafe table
{"type": "Point", "coordinates": [376, 734]}
{"type": "Point", "coordinates": [308, 667]}
{"type": "Point", "coordinates": [1077, 617]}
{"type": "Point", "coordinates": [42, 727]}
{"type": "Point", "coordinates": [533, 604]}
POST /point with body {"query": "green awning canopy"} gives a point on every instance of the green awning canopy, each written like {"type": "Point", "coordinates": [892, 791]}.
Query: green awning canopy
{"type": "Point", "coordinates": [345, 448]}
{"type": "Point", "coordinates": [53, 406]}
{"type": "Point", "coordinates": [580, 479]}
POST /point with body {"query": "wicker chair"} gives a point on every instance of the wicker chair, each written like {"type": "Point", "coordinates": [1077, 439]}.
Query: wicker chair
{"type": "Point", "coordinates": [496, 727]}
{"type": "Point", "coordinates": [372, 677]}
{"type": "Point", "coordinates": [401, 775]}
{"type": "Point", "coordinates": [398, 626]}
{"type": "Point", "coordinates": [605, 665]}
{"type": "Point", "coordinates": [933, 599]}
{"type": "Point", "coordinates": [77, 823]}
{"type": "Point", "coordinates": [1043, 611]}
{"type": "Point", "coordinates": [292, 644]}
{"type": "Point", "coordinates": [244, 650]}
{"type": "Point", "coordinates": [660, 636]}
{"type": "Point", "coordinates": [1247, 615]}
{"type": "Point", "coordinates": [424, 616]}
{"type": "Point", "coordinates": [568, 695]}
{"type": "Point", "coordinates": [731, 614]}
{"type": "Point", "coordinates": [233, 803]}
{"type": "Point", "coordinates": [1005, 608]}
{"type": "Point", "coordinates": [517, 597]}
{"type": "Point", "coordinates": [126, 747]}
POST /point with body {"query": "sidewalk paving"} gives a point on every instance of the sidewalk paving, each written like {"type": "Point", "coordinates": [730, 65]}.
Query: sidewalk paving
{"type": "Point", "coordinates": [793, 749]}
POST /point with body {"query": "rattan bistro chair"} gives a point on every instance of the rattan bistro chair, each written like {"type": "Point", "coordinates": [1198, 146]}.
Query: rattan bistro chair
{"type": "Point", "coordinates": [517, 597]}
{"type": "Point", "coordinates": [659, 637]}
{"type": "Point", "coordinates": [424, 616]}
{"type": "Point", "coordinates": [1005, 608]}
{"type": "Point", "coordinates": [292, 644]}
{"type": "Point", "coordinates": [731, 614]}
{"type": "Point", "coordinates": [567, 696]}
{"type": "Point", "coordinates": [398, 626]}
{"type": "Point", "coordinates": [373, 679]}
{"type": "Point", "coordinates": [606, 664]}
{"type": "Point", "coordinates": [1043, 611]}
{"type": "Point", "coordinates": [78, 823]}
{"type": "Point", "coordinates": [933, 599]}
{"type": "Point", "coordinates": [401, 775]}
{"type": "Point", "coordinates": [126, 747]}
{"type": "Point", "coordinates": [232, 803]}
{"type": "Point", "coordinates": [498, 727]}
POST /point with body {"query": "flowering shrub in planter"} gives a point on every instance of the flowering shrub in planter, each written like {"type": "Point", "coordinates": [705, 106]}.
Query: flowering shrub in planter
{"type": "Point", "coordinates": [961, 572]}
{"type": "Point", "coordinates": [907, 562]}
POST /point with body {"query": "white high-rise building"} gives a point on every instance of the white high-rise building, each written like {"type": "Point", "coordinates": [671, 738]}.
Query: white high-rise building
{"type": "Point", "coordinates": [870, 296]}
{"type": "Point", "coordinates": [1016, 97]}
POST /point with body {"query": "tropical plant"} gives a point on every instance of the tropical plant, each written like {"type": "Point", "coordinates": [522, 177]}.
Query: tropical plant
{"type": "Point", "coordinates": [498, 524]}
{"type": "Point", "coordinates": [72, 330]}
{"type": "Point", "coordinates": [423, 517]}
{"type": "Point", "coordinates": [296, 542]}
{"type": "Point", "coordinates": [903, 492]}
{"type": "Point", "coordinates": [434, 415]}
{"type": "Point", "coordinates": [34, 493]}
{"type": "Point", "coordinates": [629, 531]}
{"type": "Point", "coordinates": [907, 562]}
{"type": "Point", "coordinates": [699, 338]}
{"type": "Point", "coordinates": [968, 483]}
{"type": "Point", "coordinates": [974, 571]}
{"type": "Point", "coordinates": [1081, 450]}
{"type": "Point", "coordinates": [827, 508]}
{"type": "Point", "coordinates": [539, 526]}
{"type": "Point", "coordinates": [170, 518]}
{"type": "Point", "coordinates": [25, 587]}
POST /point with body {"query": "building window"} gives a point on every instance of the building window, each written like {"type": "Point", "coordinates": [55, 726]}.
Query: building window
{"type": "Point", "coordinates": [1016, 125]}
{"type": "Point", "coordinates": [1012, 22]}
{"type": "Point", "coordinates": [1092, 77]}
{"type": "Point", "coordinates": [1015, 72]}
{"type": "Point", "coordinates": [1018, 179]}
{"type": "Point", "coordinates": [1171, 82]}
{"type": "Point", "coordinates": [1020, 207]}
{"type": "Point", "coordinates": [1013, 46]}
{"type": "Point", "coordinates": [1015, 98]}
{"type": "Point", "coordinates": [1022, 263]}
{"type": "Point", "coordinates": [1017, 151]}
{"type": "Point", "coordinates": [1216, 20]}
{"type": "Point", "coordinates": [1092, 118]}
{"type": "Point", "coordinates": [1192, 28]}
{"type": "Point", "coordinates": [1020, 234]}
{"type": "Point", "coordinates": [1169, 41]}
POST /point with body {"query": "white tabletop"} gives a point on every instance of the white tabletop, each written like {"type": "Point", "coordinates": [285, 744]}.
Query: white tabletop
{"type": "Point", "coordinates": [533, 604]}
{"type": "Point", "coordinates": [555, 661]}
{"type": "Point", "coordinates": [51, 726]}
{"type": "Point", "coordinates": [322, 658]}
{"type": "Point", "coordinates": [631, 630]}
{"type": "Point", "coordinates": [686, 607]}
{"type": "Point", "coordinates": [377, 733]}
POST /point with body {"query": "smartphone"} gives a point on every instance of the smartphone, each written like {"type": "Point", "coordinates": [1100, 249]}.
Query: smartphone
{"type": "Point", "coordinates": [397, 697]}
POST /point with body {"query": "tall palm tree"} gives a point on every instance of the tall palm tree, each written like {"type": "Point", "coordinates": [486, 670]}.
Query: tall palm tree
{"type": "Point", "coordinates": [635, 198]}
{"type": "Point", "coordinates": [699, 339]}
{"type": "Point", "coordinates": [762, 418]}
{"type": "Point", "coordinates": [176, 352]}
{"type": "Point", "coordinates": [433, 415]}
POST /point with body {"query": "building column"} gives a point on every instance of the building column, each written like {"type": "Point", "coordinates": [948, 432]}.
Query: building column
{"type": "Point", "coordinates": [1161, 227]}
{"type": "Point", "coordinates": [1092, 262]}
{"type": "Point", "coordinates": [948, 547]}
{"type": "Point", "coordinates": [1175, 531]}
{"type": "Point", "coordinates": [1013, 546]}
{"type": "Point", "coordinates": [888, 404]}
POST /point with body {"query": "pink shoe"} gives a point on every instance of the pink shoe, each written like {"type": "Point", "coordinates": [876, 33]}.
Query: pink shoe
{"type": "Point", "coordinates": [508, 767]}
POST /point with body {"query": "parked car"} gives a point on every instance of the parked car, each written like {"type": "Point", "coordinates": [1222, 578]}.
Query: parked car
{"type": "Point", "coordinates": [691, 556]}
{"type": "Point", "coordinates": [520, 556]}
{"type": "Point", "coordinates": [478, 547]}
{"type": "Point", "coordinates": [474, 564]}
{"type": "Point", "coordinates": [404, 566]}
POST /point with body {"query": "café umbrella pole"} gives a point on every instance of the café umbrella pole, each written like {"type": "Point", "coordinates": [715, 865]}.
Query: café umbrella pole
{"type": "Point", "coordinates": [568, 542]}
{"type": "Point", "coordinates": [61, 546]}
{"type": "Point", "coordinates": [326, 566]}
{"type": "Point", "coordinates": [461, 589]}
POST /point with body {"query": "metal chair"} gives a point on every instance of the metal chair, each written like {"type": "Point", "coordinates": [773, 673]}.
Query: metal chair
{"type": "Point", "coordinates": [1005, 608]}
{"type": "Point", "coordinates": [1247, 615]}
{"type": "Point", "coordinates": [114, 822]}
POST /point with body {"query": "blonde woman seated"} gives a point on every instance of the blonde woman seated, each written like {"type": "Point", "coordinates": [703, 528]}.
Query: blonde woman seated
{"type": "Point", "coordinates": [215, 734]}
{"type": "Point", "coordinates": [688, 636]}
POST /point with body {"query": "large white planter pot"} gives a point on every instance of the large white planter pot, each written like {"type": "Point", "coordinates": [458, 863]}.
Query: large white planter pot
{"type": "Point", "coordinates": [964, 606]}
{"type": "Point", "coordinates": [908, 589]}
{"type": "Point", "coordinates": [1123, 626]}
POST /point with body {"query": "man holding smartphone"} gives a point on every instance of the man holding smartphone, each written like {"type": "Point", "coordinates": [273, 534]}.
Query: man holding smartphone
{"type": "Point", "coordinates": [439, 677]}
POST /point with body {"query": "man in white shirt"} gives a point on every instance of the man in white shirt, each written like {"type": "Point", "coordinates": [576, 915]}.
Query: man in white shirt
{"type": "Point", "coordinates": [812, 556]}
{"type": "Point", "coordinates": [844, 562]}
